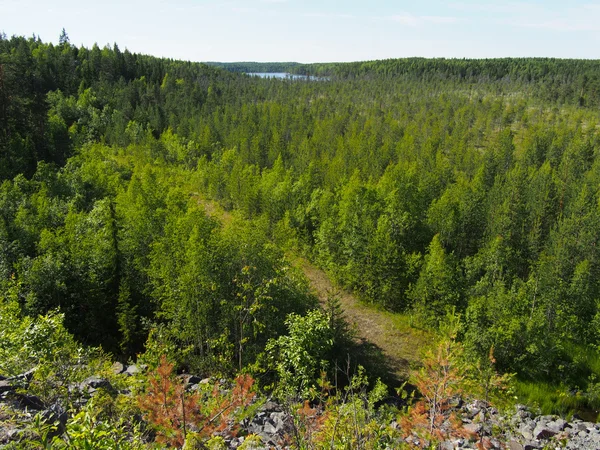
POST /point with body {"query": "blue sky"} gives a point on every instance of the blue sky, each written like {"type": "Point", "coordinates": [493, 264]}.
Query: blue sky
{"type": "Point", "coordinates": [316, 30]}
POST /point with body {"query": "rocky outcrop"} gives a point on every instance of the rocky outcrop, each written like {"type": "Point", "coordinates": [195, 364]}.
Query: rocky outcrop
{"type": "Point", "coordinates": [482, 424]}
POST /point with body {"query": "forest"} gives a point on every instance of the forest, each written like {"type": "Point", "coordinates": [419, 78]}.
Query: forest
{"type": "Point", "coordinates": [460, 194]}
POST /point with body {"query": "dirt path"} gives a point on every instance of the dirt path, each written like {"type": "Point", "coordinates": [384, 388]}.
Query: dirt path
{"type": "Point", "coordinates": [400, 343]}
{"type": "Point", "coordinates": [389, 333]}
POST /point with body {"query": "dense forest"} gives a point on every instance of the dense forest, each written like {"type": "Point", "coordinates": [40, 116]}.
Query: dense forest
{"type": "Point", "coordinates": [429, 188]}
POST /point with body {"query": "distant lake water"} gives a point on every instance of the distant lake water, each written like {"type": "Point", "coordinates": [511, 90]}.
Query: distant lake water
{"type": "Point", "coordinates": [286, 76]}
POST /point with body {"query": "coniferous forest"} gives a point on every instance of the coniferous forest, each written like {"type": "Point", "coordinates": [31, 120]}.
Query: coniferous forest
{"type": "Point", "coordinates": [151, 210]}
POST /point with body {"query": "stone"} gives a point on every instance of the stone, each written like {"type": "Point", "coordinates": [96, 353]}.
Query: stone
{"type": "Point", "coordinates": [118, 368]}
{"type": "Point", "coordinates": [515, 445]}
{"type": "Point", "coordinates": [472, 428]}
{"type": "Point", "coordinates": [526, 430]}
{"type": "Point", "coordinates": [269, 428]}
{"type": "Point", "coordinates": [55, 414]}
{"type": "Point", "coordinates": [6, 386]}
{"type": "Point", "coordinates": [25, 376]}
{"type": "Point", "coordinates": [31, 402]}
{"type": "Point", "coordinates": [133, 370]}
{"type": "Point", "coordinates": [557, 425]}
{"type": "Point", "coordinates": [93, 383]}
{"type": "Point", "coordinates": [446, 445]}
{"type": "Point", "coordinates": [543, 432]}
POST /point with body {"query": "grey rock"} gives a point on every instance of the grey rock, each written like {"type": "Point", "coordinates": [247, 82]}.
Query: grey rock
{"type": "Point", "coordinates": [496, 444]}
{"type": "Point", "coordinates": [446, 445]}
{"type": "Point", "coordinates": [56, 415]}
{"type": "Point", "coordinates": [515, 445]}
{"type": "Point", "coordinates": [92, 384]}
{"type": "Point", "coordinates": [30, 402]}
{"type": "Point", "coordinates": [543, 432]}
{"type": "Point", "coordinates": [526, 429]}
{"type": "Point", "coordinates": [6, 386]}
{"type": "Point", "coordinates": [557, 425]}
{"type": "Point", "coordinates": [118, 368]}
{"type": "Point", "coordinates": [133, 369]}
{"type": "Point", "coordinates": [25, 376]}
{"type": "Point", "coordinates": [472, 427]}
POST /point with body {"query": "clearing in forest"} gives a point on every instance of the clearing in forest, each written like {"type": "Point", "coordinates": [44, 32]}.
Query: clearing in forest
{"type": "Point", "coordinates": [387, 337]}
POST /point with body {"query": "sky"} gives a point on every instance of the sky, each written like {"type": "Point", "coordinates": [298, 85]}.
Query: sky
{"type": "Point", "coordinates": [315, 30]}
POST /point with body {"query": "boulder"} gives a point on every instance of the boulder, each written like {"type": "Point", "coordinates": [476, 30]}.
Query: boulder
{"type": "Point", "coordinates": [30, 402]}
{"type": "Point", "coordinates": [557, 425]}
{"type": "Point", "coordinates": [93, 383]}
{"type": "Point", "coordinates": [526, 429]}
{"type": "Point", "coordinates": [118, 368]}
{"type": "Point", "coordinates": [56, 415]}
{"type": "Point", "coordinates": [135, 369]}
{"type": "Point", "coordinates": [541, 431]}
{"type": "Point", "coordinates": [472, 428]}
{"type": "Point", "coordinates": [6, 386]}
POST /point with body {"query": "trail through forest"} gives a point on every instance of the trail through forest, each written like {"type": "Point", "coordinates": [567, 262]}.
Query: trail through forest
{"type": "Point", "coordinates": [386, 335]}
{"type": "Point", "coordinates": [391, 334]}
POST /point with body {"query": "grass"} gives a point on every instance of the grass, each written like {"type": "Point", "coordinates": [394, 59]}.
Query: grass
{"type": "Point", "coordinates": [553, 398]}
{"type": "Point", "coordinates": [577, 393]}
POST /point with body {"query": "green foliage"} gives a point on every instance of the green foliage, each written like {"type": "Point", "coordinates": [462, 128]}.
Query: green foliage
{"type": "Point", "coordinates": [421, 185]}
{"type": "Point", "coordinates": [86, 431]}
{"type": "Point", "coordinates": [300, 356]}
{"type": "Point", "coordinates": [355, 418]}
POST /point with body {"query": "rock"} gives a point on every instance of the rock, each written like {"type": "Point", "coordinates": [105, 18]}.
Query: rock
{"type": "Point", "coordinates": [557, 425]}
{"type": "Point", "coordinates": [270, 429]}
{"type": "Point", "coordinates": [194, 379]}
{"type": "Point", "coordinates": [543, 432]}
{"type": "Point", "coordinates": [526, 429]}
{"type": "Point", "coordinates": [473, 428]}
{"type": "Point", "coordinates": [515, 445]}
{"type": "Point", "coordinates": [495, 443]}
{"type": "Point", "coordinates": [25, 376]}
{"type": "Point", "coordinates": [133, 370]}
{"type": "Point", "coordinates": [455, 402]}
{"type": "Point", "coordinates": [204, 381]}
{"type": "Point", "coordinates": [118, 368]}
{"type": "Point", "coordinates": [6, 386]}
{"type": "Point", "coordinates": [56, 415]}
{"type": "Point", "coordinates": [531, 446]}
{"type": "Point", "coordinates": [30, 402]}
{"type": "Point", "coordinates": [446, 445]}
{"type": "Point", "coordinates": [93, 383]}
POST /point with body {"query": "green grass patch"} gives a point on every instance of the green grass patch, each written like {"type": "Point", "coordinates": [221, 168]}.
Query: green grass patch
{"type": "Point", "coordinates": [578, 392]}
{"type": "Point", "coordinates": [554, 399]}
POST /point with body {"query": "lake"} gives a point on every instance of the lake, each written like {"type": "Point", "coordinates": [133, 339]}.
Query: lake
{"type": "Point", "coordinates": [286, 76]}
